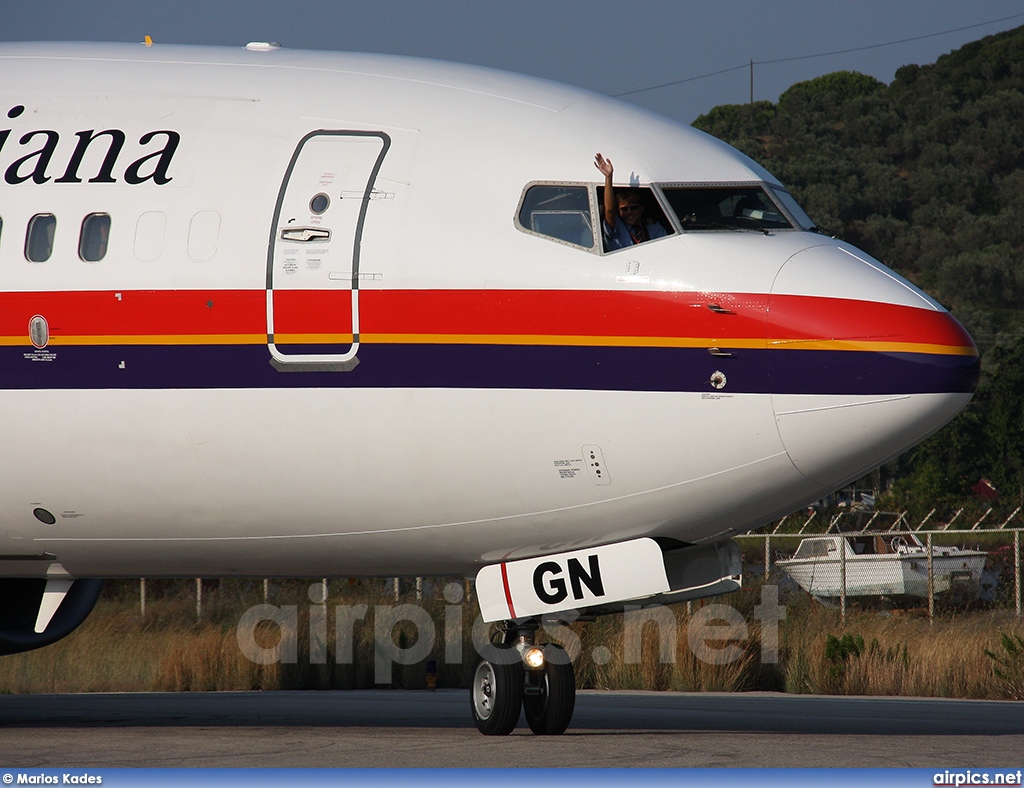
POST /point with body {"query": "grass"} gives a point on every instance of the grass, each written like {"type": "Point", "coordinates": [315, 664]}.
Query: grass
{"type": "Point", "coordinates": [962, 654]}
{"type": "Point", "coordinates": [901, 655]}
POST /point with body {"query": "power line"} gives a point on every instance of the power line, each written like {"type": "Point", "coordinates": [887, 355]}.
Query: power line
{"type": "Point", "coordinates": [752, 63]}
{"type": "Point", "coordinates": [889, 43]}
{"type": "Point", "coordinates": [681, 81]}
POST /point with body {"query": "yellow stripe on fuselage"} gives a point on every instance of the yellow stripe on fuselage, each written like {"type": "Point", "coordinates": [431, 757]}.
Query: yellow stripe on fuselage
{"type": "Point", "coordinates": [861, 345]}
{"type": "Point", "coordinates": [871, 346]}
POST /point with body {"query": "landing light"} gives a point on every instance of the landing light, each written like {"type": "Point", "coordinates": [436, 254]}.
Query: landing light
{"type": "Point", "coordinates": [534, 657]}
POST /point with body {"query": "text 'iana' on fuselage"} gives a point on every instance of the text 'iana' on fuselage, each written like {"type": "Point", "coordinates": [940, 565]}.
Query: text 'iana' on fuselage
{"type": "Point", "coordinates": [39, 165]}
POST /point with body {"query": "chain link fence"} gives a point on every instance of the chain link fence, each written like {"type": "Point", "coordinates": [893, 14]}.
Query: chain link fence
{"type": "Point", "coordinates": [844, 558]}
{"type": "Point", "coordinates": [895, 566]}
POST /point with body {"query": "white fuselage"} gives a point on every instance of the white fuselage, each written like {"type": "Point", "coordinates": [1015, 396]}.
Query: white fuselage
{"type": "Point", "coordinates": [448, 389]}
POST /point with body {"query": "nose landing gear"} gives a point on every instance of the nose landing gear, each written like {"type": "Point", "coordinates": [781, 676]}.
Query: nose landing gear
{"type": "Point", "coordinates": [497, 692]}
{"type": "Point", "coordinates": [511, 677]}
{"type": "Point", "coordinates": [549, 704]}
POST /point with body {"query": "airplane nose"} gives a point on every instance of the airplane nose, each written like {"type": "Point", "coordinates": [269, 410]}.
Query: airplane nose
{"type": "Point", "coordinates": [863, 364]}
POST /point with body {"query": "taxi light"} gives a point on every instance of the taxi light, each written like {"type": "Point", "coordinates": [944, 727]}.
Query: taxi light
{"type": "Point", "coordinates": [534, 657]}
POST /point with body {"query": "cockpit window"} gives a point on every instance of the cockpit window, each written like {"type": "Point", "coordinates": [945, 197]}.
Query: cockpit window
{"type": "Point", "coordinates": [559, 212]}
{"type": "Point", "coordinates": [745, 207]}
{"type": "Point", "coordinates": [793, 207]}
{"type": "Point", "coordinates": [649, 224]}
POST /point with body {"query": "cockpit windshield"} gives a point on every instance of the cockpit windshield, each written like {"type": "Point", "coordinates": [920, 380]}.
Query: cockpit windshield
{"type": "Point", "coordinates": [793, 207]}
{"type": "Point", "coordinates": [724, 207]}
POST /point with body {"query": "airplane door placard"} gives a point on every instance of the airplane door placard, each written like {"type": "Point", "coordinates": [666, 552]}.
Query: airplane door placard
{"type": "Point", "coordinates": [313, 266]}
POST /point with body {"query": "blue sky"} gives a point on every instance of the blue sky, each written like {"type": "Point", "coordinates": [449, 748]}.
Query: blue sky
{"type": "Point", "coordinates": [603, 46]}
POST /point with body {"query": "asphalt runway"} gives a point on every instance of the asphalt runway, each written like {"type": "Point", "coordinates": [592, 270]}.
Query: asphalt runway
{"type": "Point", "coordinates": [395, 728]}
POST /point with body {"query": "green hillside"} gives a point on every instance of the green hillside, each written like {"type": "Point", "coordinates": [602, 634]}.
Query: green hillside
{"type": "Point", "coordinates": [927, 175]}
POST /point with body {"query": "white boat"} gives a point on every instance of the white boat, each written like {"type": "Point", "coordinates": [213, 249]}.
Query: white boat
{"type": "Point", "coordinates": [880, 565]}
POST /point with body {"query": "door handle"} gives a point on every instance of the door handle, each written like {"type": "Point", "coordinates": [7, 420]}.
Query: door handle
{"type": "Point", "coordinates": [305, 234]}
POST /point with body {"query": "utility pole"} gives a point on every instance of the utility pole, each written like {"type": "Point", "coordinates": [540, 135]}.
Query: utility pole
{"type": "Point", "coordinates": [751, 96]}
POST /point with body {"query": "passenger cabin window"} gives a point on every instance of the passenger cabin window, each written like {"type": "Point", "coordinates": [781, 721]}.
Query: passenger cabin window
{"type": "Point", "coordinates": [203, 235]}
{"type": "Point", "coordinates": [149, 235]}
{"type": "Point", "coordinates": [725, 207]}
{"type": "Point", "coordinates": [92, 244]}
{"type": "Point", "coordinates": [39, 237]}
{"type": "Point", "coordinates": [558, 212]}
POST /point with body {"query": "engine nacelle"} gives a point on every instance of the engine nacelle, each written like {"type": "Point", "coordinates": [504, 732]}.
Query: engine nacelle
{"type": "Point", "coordinates": [20, 602]}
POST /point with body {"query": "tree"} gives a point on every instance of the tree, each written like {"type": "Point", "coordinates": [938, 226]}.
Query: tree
{"type": "Point", "coordinates": [927, 175]}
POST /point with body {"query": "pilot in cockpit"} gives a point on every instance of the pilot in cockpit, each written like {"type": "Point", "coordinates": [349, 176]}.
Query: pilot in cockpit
{"type": "Point", "coordinates": [623, 222]}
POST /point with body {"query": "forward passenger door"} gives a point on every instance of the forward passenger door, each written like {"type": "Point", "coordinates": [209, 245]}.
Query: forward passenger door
{"type": "Point", "coordinates": [313, 266]}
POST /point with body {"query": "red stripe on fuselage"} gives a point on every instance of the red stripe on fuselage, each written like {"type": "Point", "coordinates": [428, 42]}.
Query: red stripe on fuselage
{"type": "Point", "coordinates": [137, 312]}
{"type": "Point", "coordinates": [561, 313]}
{"type": "Point", "coordinates": [553, 313]}
{"type": "Point", "coordinates": [806, 318]}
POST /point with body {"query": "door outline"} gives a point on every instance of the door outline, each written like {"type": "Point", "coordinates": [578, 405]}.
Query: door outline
{"type": "Point", "coordinates": [321, 362]}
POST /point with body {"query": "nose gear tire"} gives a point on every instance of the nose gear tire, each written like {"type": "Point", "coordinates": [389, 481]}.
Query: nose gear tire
{"type": "Point", "coordinates": [496, 694]}
{"type": "Point", "coordinates": [549, 712]}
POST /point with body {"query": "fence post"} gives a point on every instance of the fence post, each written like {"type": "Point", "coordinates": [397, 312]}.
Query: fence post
{"type": "Point", "coordinates": [199, 599]}
{"type": "Point", "coordinates": [142, 598]}
{"type": "Point", "coordinates": [931, 583]}
{"type": "Point", "coordinates": [814, 514]}
{"type": "Point", "coordinates": [1016, 566]}
{"type": "Point", "coordinates": [987, 513]}
{"type": "Point", "coordinates": [842, 579]}
{"type": "Point", "coordinates": [767, 556]}
{"type": "Point", "coordinates": [1012, 515]}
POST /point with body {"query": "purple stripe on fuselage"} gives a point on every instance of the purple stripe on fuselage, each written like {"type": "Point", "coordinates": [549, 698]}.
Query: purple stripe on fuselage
{"type": "Point", "coordinates": [493, 366]}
